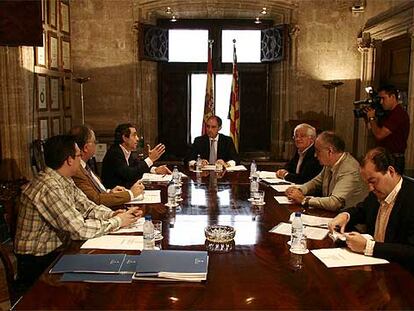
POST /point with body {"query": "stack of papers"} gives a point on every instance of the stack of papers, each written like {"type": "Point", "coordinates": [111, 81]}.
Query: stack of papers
{"type": "Point", "coordinates": [137, 226]}
{"type": "Point", "coordinates": [117, 242]}
{"type": "Point", "coordinates": [313, 221]}
{"type": "Point", "coordinates": [343, 257]}
{"type": "Point", "coordinates": [310, 232]}
{"type": "Point", "coordinates": [281, 188]}
{"type": "Point", "coordinates": [276, 181]}
{"type": "Point", "coordinates": [268, 175]}
{"type": "Point", "coordinates": [209, 167]}
{"type": "Point", "coordinates": [190, 266]}
{"type": "Point", "coordinates": [150, 197]}
{"type": "Point", "coordinates": [148, 177]}
{"type": "Point", "coordinates": [237, 168]}
{"type": "Point", "coordinates": [283, 200]}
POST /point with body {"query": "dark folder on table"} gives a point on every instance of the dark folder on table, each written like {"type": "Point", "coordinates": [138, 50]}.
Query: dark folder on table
{"type": "Point", "coordinates": [96, 263]}
{"type": "Point", "coordinates": [172, 265]}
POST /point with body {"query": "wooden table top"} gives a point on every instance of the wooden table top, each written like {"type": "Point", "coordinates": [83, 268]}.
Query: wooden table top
{"type": "Point", "coordinates": [256, 272]}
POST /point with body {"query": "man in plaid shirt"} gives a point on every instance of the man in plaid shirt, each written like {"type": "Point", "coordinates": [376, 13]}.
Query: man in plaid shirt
{"type": "Point", "coordinates": [53, 211]}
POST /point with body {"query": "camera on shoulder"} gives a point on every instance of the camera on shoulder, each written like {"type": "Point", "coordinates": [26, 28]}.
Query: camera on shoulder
{"type": "Point", "coordinates": [373, 101]}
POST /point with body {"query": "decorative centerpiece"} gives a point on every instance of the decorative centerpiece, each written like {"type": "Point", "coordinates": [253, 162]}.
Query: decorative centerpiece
{"type": "Point", "coordinates": [219, 233]}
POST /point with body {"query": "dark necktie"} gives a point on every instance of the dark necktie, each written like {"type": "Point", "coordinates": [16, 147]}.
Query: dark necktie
{"type": "Point", "coordinates": [92, 179]}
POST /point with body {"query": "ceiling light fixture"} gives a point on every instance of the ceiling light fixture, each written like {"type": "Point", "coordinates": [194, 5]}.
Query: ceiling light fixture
{"type": "Point", "coordinates": [264, 11]}
{"type": "Point", "coordinates": [168, 11]}
{"type": "Point", "coordinates": [173, 19]}
{"type": "Point", "coordinates": [257, 21]}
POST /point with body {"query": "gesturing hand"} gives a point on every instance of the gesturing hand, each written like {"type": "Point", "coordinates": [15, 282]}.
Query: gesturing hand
{"type": "Point", "coordinates": [155, 153]}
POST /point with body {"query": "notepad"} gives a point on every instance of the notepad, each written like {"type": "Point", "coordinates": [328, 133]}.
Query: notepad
{"type": "Point", "coordinates": [156, 177]}
{"type": "Point", "coordinates": [150, 197]}
{"type": "Point", "coordinates": [135, 227]}
{"type": "Point", "coordinates": [281, 188]}
{"type": "Point", "coordinates": [237, 168]}
{"type": "Point", "coordinates": [283, 200]}
{"type": "Point", "coordinates": [116, 242]}
{"type": "Point", "coordinates": [314, 221]}
{"type": "Point", "coordinates": [343, 257]}
{"type": "Point", "coordinates": [312, 233]}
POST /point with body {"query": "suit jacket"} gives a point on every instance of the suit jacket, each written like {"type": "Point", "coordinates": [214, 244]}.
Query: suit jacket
{"type": "Point", "coordinates": [225, 149]}
{"type": "Point", "coordinates": [309, 168]}
{"type": "Point", "coordinates": [117, 172]}
{"type": "Point", "coordinates": [84, 183]}
{"type": "Point", "coordinates": [341, 188]}
{"type": "Point", "coordinates": [398, 244]}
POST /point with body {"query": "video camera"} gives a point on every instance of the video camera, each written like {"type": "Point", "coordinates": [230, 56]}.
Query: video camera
{"type": "Point", "coordinates": [373, 101]}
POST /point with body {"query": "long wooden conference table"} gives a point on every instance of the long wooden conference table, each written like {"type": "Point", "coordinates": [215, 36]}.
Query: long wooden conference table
{"type": "Point", "coordinates": [256, 272]}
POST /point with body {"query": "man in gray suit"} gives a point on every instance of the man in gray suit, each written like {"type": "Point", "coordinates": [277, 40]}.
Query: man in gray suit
{"type": "Point", "coordinates": [339, 182]}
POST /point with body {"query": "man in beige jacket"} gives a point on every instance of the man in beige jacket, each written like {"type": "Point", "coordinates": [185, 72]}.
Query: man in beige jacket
{"type": "Point", "coordinates": [338, 185]}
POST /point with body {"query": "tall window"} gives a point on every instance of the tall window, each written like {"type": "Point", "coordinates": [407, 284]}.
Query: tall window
{"type": "Point", "coordinates": [187, 45]}
{"type": "Point", "coordinates": [222, 99]}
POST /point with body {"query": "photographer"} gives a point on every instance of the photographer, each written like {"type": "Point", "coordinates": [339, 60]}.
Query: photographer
{"type": "Point", "coordinates": [391, 131]}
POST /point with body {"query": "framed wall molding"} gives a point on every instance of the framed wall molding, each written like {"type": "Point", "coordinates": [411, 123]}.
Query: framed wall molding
{"type": "Point", "coordinates": [40, 59]}
{"type": "Point", "coordinates": [41, 92]}
{"type": "Point", "coordinates": [65, 53]}
{"type": "Point", "coordinates": [56, 130]}
{"type": "Point", "coordinates": [52, 13]}
{"type": "Point", "coordinates": [53, 51]}
{"type": "Point", "coordinates": [43, 7]}
{"type": "Point", "coordinates": [54, 93]}
{"type": "Point", "coordinates": [68, 123]}
{"type": "Point", "coordinates": [43, 128]}
{"type": "Point", "coordinates": [64, 18]}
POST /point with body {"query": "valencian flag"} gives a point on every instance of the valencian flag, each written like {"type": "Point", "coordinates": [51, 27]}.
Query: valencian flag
{"type": "Point", "coordinates": [234, 110]}
{"type": "Point", "coordinates": [209, 109]}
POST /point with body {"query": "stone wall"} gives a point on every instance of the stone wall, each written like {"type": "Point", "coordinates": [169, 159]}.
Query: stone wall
{"type": "Point", "coordinates": [323, 49]}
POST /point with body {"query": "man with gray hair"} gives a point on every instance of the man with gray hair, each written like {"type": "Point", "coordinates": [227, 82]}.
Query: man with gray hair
{"type": "Point", "coordinates": [303, 166]}
{"type": "Point", "coordinates": [339, 181]}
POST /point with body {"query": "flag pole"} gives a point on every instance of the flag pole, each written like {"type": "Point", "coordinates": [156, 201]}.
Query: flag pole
{"type": "Point", "coordinates": [209, 106]}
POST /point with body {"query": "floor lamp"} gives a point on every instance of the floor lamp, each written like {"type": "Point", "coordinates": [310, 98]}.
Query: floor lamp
{"type": "Point", "coordinates": [81, 81]}
{"type": "Point", "coordinates": [329, 86]}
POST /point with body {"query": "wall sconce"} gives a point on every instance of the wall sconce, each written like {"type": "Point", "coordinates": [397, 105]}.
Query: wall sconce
{"type": "Point", "coordinates": [264, 11]}
{"type": "Point", "coordinates": [257, 20]}
{"type": "Point", "coordinates": [168, 11]}
{"type": "Point", "coordinates": [173, 19]}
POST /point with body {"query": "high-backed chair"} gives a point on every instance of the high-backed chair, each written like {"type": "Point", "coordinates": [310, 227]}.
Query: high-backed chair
{"type": "Point", "coordinates": [37, 156]}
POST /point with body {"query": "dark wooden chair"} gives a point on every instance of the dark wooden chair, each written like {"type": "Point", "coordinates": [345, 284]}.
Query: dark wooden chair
{"type": "Point", "coordinates": [9, 193]}
{"type": "Point", "coordinates": [37, 156]}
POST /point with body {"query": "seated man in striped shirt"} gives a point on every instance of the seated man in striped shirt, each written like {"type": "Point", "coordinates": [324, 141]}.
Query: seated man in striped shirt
{"type": "Point", "coordinates": [53, 211]}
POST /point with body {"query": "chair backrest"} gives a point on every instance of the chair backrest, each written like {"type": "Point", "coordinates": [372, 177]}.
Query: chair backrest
{"type": "Point", "coordinates": [6, 255]}
{"type": "Point", "coordinates": [37, 156]}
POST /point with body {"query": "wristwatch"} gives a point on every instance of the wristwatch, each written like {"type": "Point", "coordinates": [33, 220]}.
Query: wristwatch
{"type": "Point", "coordinates": [305, 202]}
{"type": "Point", "coordinates": [371, 118]}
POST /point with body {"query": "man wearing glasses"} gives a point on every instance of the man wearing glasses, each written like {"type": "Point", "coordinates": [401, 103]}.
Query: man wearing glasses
{"type": "Point", "coordinates": [86, 180]}
{"type": "Point", "coordinates": [53, 211]}
{"type": "Point", "coordinates": [339, 181]}
{"type": "Point", "coordinates": [303, 166]}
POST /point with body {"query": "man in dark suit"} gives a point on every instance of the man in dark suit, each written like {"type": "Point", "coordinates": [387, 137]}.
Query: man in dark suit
{"type": "Point", "coordinates": [304, 165]}
{"type": "Point", "coordinates": [119, 169]}
{"type": "Point", "coordinates": [387, 212]}
{"type": "Point", "coordinates": [213, 147]}
{"type": "Point", "coordinates": [86, 180]}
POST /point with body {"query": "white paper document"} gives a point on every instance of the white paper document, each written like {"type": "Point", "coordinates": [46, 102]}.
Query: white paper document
{"type": "Point", "coordinates": [343, 257]}
{"type": "Point", "coordinates": [117, 242]}
{"type": "Point", "coordinates": [237, 168]}
{"type": "Point", "coordinates": [274, 181]}
{"type": "Point", "coordinates": [283, 200]}
{"type": "Point", "coordinates": [310, 232]}
{"type": "Point", "coordinates": [267, 174]}
{"type": "Point", "coordinates": [135, 227]}
{"type": "Point", "coordinates": [281, 188]}
{"type": "Point", "coordinates": [314, 221]}
{"type": "Point", "coordinates": [209, 167]}
{"type": "Point", "coordinates": [148, 177]}
{"type": "Point", "coordinates": [150, 196]}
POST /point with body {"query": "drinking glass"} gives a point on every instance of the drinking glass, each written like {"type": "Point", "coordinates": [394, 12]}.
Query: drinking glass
{"type": "Point", "coordinates": [157, 229]}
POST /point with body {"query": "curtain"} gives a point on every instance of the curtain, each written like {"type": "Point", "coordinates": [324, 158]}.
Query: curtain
{"type": "Point", "coordinates": [15, 111]}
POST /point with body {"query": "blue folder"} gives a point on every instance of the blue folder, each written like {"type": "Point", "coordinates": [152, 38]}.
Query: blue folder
{"type": "Point", "coordinates": [172, 261]}
{"type": "Point", "coordinates": [96, 278]}
{"type": "Point", "coordinates": [96, 263]}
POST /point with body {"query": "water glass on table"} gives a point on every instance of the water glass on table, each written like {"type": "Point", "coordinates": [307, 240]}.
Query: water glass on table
{"type": "Point", "coordinates": [157, 229]}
